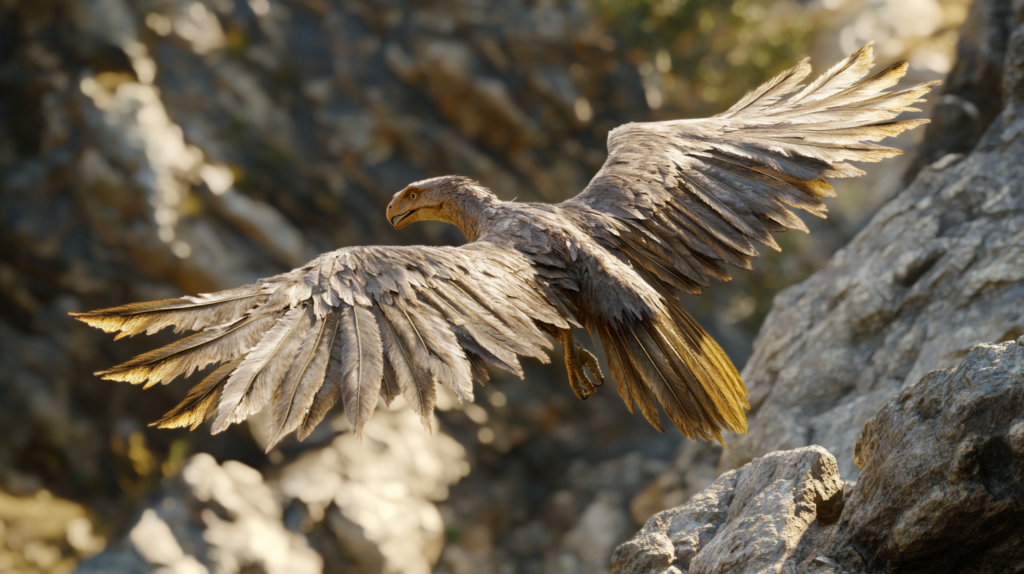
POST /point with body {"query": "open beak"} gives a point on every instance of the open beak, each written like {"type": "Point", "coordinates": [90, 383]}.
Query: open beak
{"type": "Point", "coordinates": [398, 218]}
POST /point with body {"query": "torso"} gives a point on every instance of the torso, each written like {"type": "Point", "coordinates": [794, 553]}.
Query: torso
{"type": "Point", "coordinates": [590, 279]}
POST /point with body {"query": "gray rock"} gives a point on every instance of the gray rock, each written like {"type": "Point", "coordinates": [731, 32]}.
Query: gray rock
{"type": "Point", "coordinates": [758, 518]}
{"type": "Point", "coordinates": [159, 147]}
{"type": "Point", "coordinates": [211, 518]}
{"type": "Point", "coordinates": [150, 148]}
{"type": "Point", "coordinates": [943, 462]}
{"type": "Point", "coordinates": [375, 500]}
{"type": "Point", "coordinates": [936, 272]}
{"type": "Point", "coordinates": [940, 491]}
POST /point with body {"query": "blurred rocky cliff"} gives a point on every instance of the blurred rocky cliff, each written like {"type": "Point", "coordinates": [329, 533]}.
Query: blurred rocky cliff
{"type": "Point", "coordinates": [150, 148]}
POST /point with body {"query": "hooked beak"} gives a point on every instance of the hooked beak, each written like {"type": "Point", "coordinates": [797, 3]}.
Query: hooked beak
{"type": "Point", "coordinates": [398, 218]}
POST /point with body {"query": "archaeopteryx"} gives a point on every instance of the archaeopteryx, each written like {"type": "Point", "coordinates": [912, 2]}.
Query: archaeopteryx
{"type": "Point", "coordinates": [675, 203]}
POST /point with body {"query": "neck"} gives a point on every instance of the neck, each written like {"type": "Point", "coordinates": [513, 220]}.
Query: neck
{"type": "Point", "coordinates": [468, 210]}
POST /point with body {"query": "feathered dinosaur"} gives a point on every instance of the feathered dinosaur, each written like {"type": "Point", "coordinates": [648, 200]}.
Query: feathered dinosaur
{"type": "Point", "coordinates": [673, 205]}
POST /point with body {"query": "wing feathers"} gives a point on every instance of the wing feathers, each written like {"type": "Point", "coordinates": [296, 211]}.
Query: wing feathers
{"type": "Point", "coordinates": [413, 380]}
{"type": "Point", "coordinates": [296, 393]}
{"type": "Point", "coordinates": [187, 355]}
{"type": "Point", "coordinates": [185, 314]}
{"type": "Point", "coordinates": [678, 199]}
{"type": "Point", "coordinates": [362, 364]}
{"type": "Point", "coordinates": [253, 383]}
{"type": "Point", "coordinates": [200, 401]}
{"type": "Point", "coordinates": [728, 181]}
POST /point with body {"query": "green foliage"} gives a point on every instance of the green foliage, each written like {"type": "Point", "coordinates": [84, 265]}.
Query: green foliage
{"type": "Point", "coordinates": [700, 56]}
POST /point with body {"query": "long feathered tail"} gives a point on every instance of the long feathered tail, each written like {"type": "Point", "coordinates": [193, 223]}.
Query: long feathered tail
{"type": "Point", "coordinates": [669, 358]}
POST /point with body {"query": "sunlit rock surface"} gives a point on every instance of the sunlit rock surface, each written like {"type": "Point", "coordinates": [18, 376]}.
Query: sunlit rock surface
{"type": "Point", "coordinates": [152, 148]}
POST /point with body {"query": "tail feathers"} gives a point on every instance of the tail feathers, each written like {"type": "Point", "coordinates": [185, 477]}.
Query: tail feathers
{"type": "Point", "coordinates": [628, 377]}
{"type": "Point", "coordinates": [730, 395]}
{"type": "Point", "coordinates": [184, 314]}
{"type": "Point", "coordinates": [669, 357]}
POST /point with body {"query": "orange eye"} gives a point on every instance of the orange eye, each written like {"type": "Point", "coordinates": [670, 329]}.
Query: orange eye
{"type": "Point", "coordinates": [412, 196]}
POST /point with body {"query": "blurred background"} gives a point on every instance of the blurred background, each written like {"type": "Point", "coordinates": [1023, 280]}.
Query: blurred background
{"type": "Point", "coordinates": [150, 148]}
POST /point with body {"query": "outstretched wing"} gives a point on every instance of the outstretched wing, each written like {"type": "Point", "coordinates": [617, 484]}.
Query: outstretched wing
{"type": "Point", "coordinates": [683, 198]}
{"type": "Point", "coordinates": [356, 324]}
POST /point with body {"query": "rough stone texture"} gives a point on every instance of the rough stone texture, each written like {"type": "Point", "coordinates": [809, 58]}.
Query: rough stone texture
{"type": "Point", "coordinates": [938, 270]}
{"type": "Point", "coordinates": [758, 518]}
{"type": "Point", "coordinates": [942, 462]}
{"type": "Point", "coordinates": [212, 518]}
{"type": "Point", "coordinates": [150, 148]}
{"type": "Point", "coordinates": [941, 491]}
{"type": "Point", "coordinates": [379, 494]}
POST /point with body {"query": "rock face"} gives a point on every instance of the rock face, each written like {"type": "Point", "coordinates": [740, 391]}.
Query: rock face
{"type": "Point", "coordinates": [150, 148]}
{"type": "Point", "coordinates": [938, 270]}
{"type": "Point", "coordinates": [940, 491]}
{"type": "Point", "coordinates": [972, 95]}
{"type": "Point", "coordinates": [938, 464]}
{"type": "Point", "coordinates": [220, 518]}
{"type": "Point", "coordinates": [943, 461]}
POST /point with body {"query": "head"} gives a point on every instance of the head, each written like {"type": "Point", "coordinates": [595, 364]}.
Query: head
{"type": "Point", "coordinates": [434, 199]}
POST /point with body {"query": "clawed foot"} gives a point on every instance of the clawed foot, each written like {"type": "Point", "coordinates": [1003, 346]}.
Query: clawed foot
{"type": "Point", "coordinates": [578, 361]}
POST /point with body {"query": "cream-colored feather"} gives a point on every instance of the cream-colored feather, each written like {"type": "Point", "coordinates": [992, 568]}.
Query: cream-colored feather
{"type": "Point", "coordinates": [362, 364]}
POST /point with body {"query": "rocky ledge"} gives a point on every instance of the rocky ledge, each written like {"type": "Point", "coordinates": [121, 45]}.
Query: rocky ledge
{"type": "Point", "coordinates": [941, 490]}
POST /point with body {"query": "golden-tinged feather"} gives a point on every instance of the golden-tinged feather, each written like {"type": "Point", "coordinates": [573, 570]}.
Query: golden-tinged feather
{"type": "Point", "coordinates": [192, 353]}
{"type": "Point", "coordinates": [200, 402]}
{"type": "Point", "coordinates": [185, 314]}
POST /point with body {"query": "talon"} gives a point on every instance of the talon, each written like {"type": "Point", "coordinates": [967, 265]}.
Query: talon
{"type": "Point", "coordinates": [586, 361]}
{"type": "Point", "coordinates": [578, 361]}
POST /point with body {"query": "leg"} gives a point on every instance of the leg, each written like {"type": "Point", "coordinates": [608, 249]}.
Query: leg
{"type": "Point", "coordinates": [577, 362]}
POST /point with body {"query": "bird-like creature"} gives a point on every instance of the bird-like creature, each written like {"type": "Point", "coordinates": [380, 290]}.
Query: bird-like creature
{"type": "Point", "coordinates": [675, 203]}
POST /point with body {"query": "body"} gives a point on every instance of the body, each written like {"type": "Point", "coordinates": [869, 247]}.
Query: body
{"type": "Point", "coordinates": [584, 273]}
